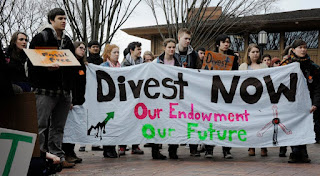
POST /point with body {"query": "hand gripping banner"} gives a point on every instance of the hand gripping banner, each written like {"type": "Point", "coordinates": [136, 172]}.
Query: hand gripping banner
{"type": "Point", "coordinates": [155, 103]}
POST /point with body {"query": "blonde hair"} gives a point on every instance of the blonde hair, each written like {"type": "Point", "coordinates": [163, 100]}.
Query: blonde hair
{"type": "Point", "coordinates": [148, 53]}
{"type": "Point", "coordinates": [246, 56]}
{"type": "Point", "coordinates": [107, 51]}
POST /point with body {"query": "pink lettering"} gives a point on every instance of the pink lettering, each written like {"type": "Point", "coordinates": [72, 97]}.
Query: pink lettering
{"type": "Point", "coordinates": [172, 109]}
{"type": "Point", "coordinates": [144, 111]}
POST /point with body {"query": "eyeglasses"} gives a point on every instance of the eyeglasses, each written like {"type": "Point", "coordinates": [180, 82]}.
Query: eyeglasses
{"type": "Point", "coordinates": [82, 48]}
{"type": "Point", "coordinates": [21, 39]}
{"type": "Point", "coordinates": [277, 62]}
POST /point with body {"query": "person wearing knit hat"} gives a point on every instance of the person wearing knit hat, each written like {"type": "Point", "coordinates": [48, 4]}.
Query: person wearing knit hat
{"type": "Point", "coordinates": [94, 53]}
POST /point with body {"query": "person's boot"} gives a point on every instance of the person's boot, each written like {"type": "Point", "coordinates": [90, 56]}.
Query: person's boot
{"type": "Point", "coordinates": [252, 152]}
{"type": "Point", "coordinates": [156, 152]}
{"type": "Point", "coordinates": [283, 151]}
{"type": "Point", "coordinates": [173, 151]}
{"type": "Point", "coordinates": [293, 158]}
{"type": "Point", "coordinates": [264, 152]}
{"type": "Point", "coordinates": [305, 158]}
{"type": "Point", "coordinates": [109, 152]}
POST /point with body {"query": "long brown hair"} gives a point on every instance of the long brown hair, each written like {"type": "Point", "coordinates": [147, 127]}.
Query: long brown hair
{"type": "Point", "coordinates": [14, 52]}
{"type": "Point", "coordinates": [246, 56]}
{"type": "Point", "coordinates": [76, 44]}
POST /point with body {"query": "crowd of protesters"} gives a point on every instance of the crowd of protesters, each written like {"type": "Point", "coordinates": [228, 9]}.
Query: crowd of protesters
{"type": "Point", "coordinates": [59, 89]}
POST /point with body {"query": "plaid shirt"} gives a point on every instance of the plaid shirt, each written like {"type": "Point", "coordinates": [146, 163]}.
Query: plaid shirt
{"type": "Point", "coordinates": [52, 93]}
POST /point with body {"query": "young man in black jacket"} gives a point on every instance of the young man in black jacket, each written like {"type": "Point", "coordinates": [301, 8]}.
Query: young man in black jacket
{"type": "Point", "coordinates": [94, 53]}
{"type": "Point", "coordinates": [52, 86]}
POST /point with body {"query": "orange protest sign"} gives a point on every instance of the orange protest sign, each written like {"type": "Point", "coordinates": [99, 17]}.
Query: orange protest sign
{"type": "Point", "coordinates": [47, 58]}
{"type": "Point", "coordinates": [217, 61]}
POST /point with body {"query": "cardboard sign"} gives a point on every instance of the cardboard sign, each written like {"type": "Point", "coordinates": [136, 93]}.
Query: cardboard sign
{"type": "Point", "coordinates": [20, 113]}
{"type": "Point", "coordinates": [16, 151]}
{"type": "Point", "coordinates": [217, 61]}
{"type": "Point", "coordinates": [47, 58]}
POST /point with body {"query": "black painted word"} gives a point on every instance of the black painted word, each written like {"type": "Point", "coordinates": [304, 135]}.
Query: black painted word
{"type": "Point", "coordinates": [289, 93]}
{"type": "Point", "coordinates": [136, 87]}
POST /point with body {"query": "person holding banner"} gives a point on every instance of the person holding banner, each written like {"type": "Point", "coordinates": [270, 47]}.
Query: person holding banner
{"type": "Point", "coordinates": [110, 57]}
{"type": "Point", "coordinates": [311, 73]}
{"type": "Point", "coordinates": [132, 58]}
{"type": "Point", "coordinates": [52, 86]}
{"type": "Point", "coordinates": [252, 61]}
{"type": "Point", "coordinates": [168, 57]}
{"type": "Point", "coordinates": [78, 91]}
{"type": "Point", "coordinates": [222, 44]}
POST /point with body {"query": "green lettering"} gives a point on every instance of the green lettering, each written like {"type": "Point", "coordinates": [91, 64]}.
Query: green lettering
{"type": "Point", "coordinates": [230, 134]}
{"type": "Point", "coordinates": [164, 133]}
{"type": "Point", "coordinates": [147, 127]}
{"type": "Point", "coordinates": [224, 135]}
{"type": "Point", "coordinates": [170, 130]}
{"type": "Point", "coordinates": [240, 133]}
{"type": "Point", "coordinates": [211, 131]}
{"type": "Point", "coordinates": [202, 138]}
{"type": "Point", "coordinates": [190, 125]}
{"type": "Point", "coordinates": [15, 140]}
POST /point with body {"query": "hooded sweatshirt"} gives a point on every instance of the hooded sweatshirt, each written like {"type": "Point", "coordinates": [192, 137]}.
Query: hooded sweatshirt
{"type": "Point", "coordinates": [128, 61]}
{"type": "Point", "coordinates": [41, 77]}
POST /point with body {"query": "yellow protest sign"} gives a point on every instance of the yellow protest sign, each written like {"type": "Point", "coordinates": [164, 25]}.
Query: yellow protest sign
{"type": "Point", "coordinates": [217, 61]}
{"type": "Point", "coordinates": [49, 57]}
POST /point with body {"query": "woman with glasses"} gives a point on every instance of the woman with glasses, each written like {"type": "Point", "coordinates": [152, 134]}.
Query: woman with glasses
{"type": "Point", "coordinates": [78, 91]}
{"type": "Point", "coordinates": [16, 59]}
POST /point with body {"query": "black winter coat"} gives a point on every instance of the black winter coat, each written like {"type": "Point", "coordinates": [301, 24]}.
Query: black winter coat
{"type": "Point", "coordinates": [41, 77]}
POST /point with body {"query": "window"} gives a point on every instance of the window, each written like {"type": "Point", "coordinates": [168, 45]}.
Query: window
{"type": "Point", "coordinates": [237, 42]}
{"type": "Point", "coordinates": [273, 41]}
{"type": "Point", "coordinates": [310, 37]}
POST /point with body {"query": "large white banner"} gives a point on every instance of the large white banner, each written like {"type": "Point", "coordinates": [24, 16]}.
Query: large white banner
{"type": "Point", "coordinates": [155, 103]}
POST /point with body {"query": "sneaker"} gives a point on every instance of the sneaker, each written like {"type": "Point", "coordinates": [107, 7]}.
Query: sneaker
{"type": "Point", "coordinates": [122, 151]}
{"type": "Point", "coordinates": [96, 148]}
{"type": "Point", "coordinates": [197, 154]}
{"type": "Point", "coordinates": [227, 155]}
{"type": "Point", "coordinates": [208, 154]}
{"type": "Point", "coordinates": [137, 151]}
{"type": "Point", "coordinates": [66, 164]}
{"type": "Point", "coordinates": [82, 149]}
{"type": "Point", "coordinates": [251, 152]}
{"type": "Point", "coordinates": [264, 152]}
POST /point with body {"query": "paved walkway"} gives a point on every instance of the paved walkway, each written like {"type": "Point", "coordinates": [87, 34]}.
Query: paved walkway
{"type": "Point", "coordinates": [242, 164]}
